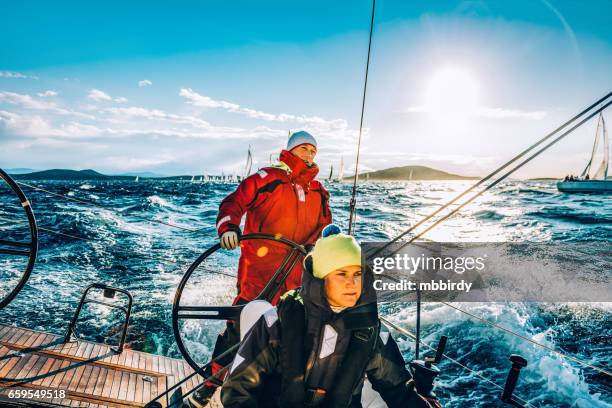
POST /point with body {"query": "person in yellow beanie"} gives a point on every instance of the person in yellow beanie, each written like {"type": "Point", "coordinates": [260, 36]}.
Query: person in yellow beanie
{"type": "Point", "coordinates": [337, 261]}
{"type": "Point", "coordinates": [316, 347]}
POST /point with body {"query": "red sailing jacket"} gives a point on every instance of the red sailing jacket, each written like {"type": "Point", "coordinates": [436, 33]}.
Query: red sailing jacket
{"type": "Point", "coordinates": [285, 200]}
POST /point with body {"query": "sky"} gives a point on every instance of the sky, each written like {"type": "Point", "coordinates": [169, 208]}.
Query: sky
{"type": "Point", "coordinates": [186, 87]}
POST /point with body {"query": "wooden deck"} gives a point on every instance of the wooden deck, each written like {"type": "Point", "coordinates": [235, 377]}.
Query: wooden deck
{"type": "Point", "coordinates": [91, 374]}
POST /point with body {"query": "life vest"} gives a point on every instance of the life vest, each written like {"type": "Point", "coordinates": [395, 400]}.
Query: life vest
{"type": "Point", "coordinates": [326, 372]}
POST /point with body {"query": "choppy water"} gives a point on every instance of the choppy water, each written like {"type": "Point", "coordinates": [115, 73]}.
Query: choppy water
{"type": "Point", "coordinates": [149, 260]}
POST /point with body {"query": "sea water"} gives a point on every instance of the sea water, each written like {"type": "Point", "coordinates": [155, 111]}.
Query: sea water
{"type": "Point", "coordinates": [115, 245]}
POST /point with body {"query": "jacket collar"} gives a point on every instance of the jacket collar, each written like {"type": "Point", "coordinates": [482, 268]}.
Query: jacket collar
{"type": "Point", "coordinates": [299, 172]}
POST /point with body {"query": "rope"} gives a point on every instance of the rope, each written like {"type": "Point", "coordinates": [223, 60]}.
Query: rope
{"type": "Point", "coordinates": [152, 258]}
{"type": "Point", "coordinates": [96, 205]}
{"type": "Point", "coordinates": [513, 333]}
{"type": "Point", "coordinates": [495, 172]}
{"type": "Point", "coordinates": [472, 371]}
{"type": "Point", "coordinates": [559, 353]}
{"type": "Point", "coordinates": [363, 99]}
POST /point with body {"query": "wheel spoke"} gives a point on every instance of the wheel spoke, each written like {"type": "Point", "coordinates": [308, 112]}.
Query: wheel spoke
{"type": "Point", "coordinates": [210, 312]}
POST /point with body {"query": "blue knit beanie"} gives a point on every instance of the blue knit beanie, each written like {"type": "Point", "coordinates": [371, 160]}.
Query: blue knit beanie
{"type": "Point", "coordinates": [299, 138]}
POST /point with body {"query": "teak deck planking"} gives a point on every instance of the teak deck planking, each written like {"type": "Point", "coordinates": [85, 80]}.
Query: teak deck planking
{"type": "Point", "coordinates": [91, 373]}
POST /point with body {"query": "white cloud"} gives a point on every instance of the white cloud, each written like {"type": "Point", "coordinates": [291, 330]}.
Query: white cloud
{"type": "Point", "coordinates": [28, 102]}
{"type": "Point", "coordinates": [316, 123]}
{"type": "Point", "coordinates": [98, 95]}
{"type": "Point", "coordinates": [203, 101]}
{"type": "Point", "coordinates": [144, 82]}
{"type": "Point", "coordinates": [155, 114]}
{"type": "Point", "coordinates": [37, 126]}
{"type": "Point", "coordinates": [47, 94]}
{"type": "Point", "coordinates": [11, 74]}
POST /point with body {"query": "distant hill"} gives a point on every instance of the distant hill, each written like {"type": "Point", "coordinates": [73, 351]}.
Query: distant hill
{"type": "Point", "coordinates": [394, 173]}
{"type": "Point", "coordinates": [64, 174]}
{"type": "Point", "coordinates": [418, 173]}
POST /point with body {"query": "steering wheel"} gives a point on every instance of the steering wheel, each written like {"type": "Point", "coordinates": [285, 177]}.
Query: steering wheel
{"type": "Point", "coordinates": [18, 248]}
{"type": "Point", "coordinates": [228, 312]}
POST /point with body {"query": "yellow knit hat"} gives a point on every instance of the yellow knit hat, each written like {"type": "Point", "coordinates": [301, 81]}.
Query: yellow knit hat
{"type": "Point", "coordinates": [334, 252]}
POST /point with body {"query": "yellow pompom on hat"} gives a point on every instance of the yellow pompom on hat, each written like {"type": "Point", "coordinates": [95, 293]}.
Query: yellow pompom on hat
{"type": "Point", "coordinates": [334, 251]}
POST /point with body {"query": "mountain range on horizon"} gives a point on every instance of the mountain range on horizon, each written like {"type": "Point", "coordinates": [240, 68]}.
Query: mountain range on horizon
{"type": "Point", "coordinates": [394, 173]}
{"type": "Point", "coordinates": [403, 173]}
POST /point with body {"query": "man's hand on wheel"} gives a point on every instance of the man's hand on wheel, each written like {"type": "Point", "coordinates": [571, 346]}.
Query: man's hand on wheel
{"type": "Point", "coordinates": [229, 240]}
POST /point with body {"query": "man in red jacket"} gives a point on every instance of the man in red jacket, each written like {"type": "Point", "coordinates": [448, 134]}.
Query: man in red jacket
{"type": "Point", "coordinates": [283, 200]}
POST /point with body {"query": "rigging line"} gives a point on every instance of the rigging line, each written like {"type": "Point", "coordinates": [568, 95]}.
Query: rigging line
{"type": "Point", "coordinates": [495, 172]}
{"type": "Point", "coordinates": [503, 177]}
{"type": "Point", "coordinates": [584, 363]}
{"type": "Point", "coordinates": [153, 258]}
{"type": "Point", "coordinates": [471, 370]}
{"type": "Point", "coordinates": [488, 187]}
{"type": "Point", "coordinates": [63, 234]}
{"type": "Point", "coordinates": [561, 354]}
{"type": "Point", "coordinates": [363, 100]}
{"type": "Point", "coordinates": [93, 204]}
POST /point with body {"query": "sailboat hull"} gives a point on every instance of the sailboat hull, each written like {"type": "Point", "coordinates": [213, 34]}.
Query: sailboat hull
{"type": "Point", "coordinates": [585, 186]}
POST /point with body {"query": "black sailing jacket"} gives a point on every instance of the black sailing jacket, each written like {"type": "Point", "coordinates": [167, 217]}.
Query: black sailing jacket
{"type": "Point", "coordinates": [305, 346]}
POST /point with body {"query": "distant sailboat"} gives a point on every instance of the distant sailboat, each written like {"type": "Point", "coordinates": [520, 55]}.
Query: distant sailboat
{"type": "Point", "coordinates": [367, 177]}
{"type": "Point", "coordinates": [341, 172]}
{"type": "Point", "coordinates": [136, 179]}
{"type": "Point", "coordinates": [592, 181]}
{"type": "Point", "coordinates": [410, 175]}
{"type": "Point", "coordinates": [192, 179]}
{"type": "Point", "coordinates": [248, 165]}
{"type": "Point", "coordinates": [331, 173]}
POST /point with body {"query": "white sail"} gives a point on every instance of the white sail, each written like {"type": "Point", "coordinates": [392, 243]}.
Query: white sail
{"type": "Point", "coordinates": [410, 175]}
{"type": "Point", "coordinates": [248, 165]}
{"type": "Point", "coordinates": [192, 179]}
{"type": "Point", "coordinates": [136, 178]}
{"type": "Point", "coordinates": [601, 171]}
{"type": "Point", "coordinates": [341, 171]}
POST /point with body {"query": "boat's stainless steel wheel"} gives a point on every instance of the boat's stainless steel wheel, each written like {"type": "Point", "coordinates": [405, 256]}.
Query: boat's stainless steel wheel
{"type": "Point", "coordinates": [181, 312]}
{"type": "Point", "coordinates": [18, 248]}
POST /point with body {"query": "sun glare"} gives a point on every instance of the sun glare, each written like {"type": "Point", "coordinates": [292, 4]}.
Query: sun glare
{"type": "Point", "coordinates": [452, 91]}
